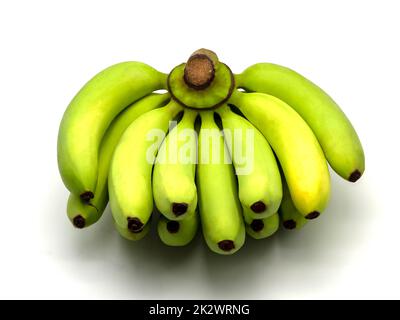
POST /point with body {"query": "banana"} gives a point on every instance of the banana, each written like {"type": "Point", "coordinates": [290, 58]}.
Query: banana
{"type": "Point", "coordinates": [129, 181]}
{"type": "Point", "coordinates": [290, 216]}
{"type": "Point", "coordinates": [84, 214]}
{"type": "Point", "coordinates": [133, 236]}
{"type": "Point", "coordinates": [90, 113]}
{"type": "Point", "coordinates": [335, 133]}
{"type": "Point", "coordinates": [260, 187]}
{"type": "Point", "coordinates": [174, 188]}
{"type": "Point", "coordinates": [178, 233]}
{"type": "Point", "coordinates": [298, 151]}
{"type": "Point", "coordinates": [261, 228]}
{"type": "Point", "coordinates": [220, 210]}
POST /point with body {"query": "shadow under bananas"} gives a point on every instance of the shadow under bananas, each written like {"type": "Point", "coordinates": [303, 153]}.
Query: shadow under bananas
{"type": "Point", "coordinates": [288, 258]}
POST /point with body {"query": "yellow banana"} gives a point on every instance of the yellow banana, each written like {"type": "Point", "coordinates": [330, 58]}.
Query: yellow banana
{"type": "Point", "coordinates": [334, 131]}
{"type": "Point", "coordinates": [90, 113]}
{"type": "Point", "coordinates": [298, 151]}
{"type": "Point", "coordinates": [220, 210]}
{"type": "Point", "coordinates": [260, 187]}
{"type": "Point", "coordinates": [84, 214]}
{"type": "Point", "coordinates": [174, 188]}
{"type": "Point", "coordinates": [290, 216]}
{"type": "Point", "coordinates": [129, 181]}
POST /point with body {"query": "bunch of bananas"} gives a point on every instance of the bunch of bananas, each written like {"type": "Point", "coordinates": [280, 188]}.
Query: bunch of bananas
{"type": "Point", "coordinates": [246, 152]}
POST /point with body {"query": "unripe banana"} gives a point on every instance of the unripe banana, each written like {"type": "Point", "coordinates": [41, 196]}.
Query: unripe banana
{"type": "Point", "coordinates": [178, 233]}
{"type": "Point", "coordinates": [129, 181]}
{"type": "Point", "coordinates": [84, 214]}
{"type": "Point", "coordinates": [90, 113]}
{"type": "Point", "coordinates": [174, 188]}
{"type": "Point", "coordinates": [335, 133]}
{"type": "Point", "coordinates": [298, 151]}
{"type": "Point", "coordinates": [220, 210]}
{"type": "Point", "coordinates": [291, 218]}
{"type": "Point", "coordinates": [260, 187]}
{"type": "Point", "coordinates": [261, 228]}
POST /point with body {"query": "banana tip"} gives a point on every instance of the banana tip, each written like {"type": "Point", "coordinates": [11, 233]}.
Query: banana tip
{"type": "Point", "coordinates": [226, 245]}
{"type": "Point", "coordinates": [312, 215]}
{"type": "Point", "coordinates": [289, 224]}
{"type": "Point", "coordinates": [355, 175]}
{"type": "Point", "coordinates": [257, 225]}
{"type": "Point", "coordinates": [86, 196]}
{"type": "Point", "coordinates": [179, 208]}
{"type": "Point", "coordinates": [258, 207]}
{"type": "Point", "coordinates": [79, 222]}
{"type": "Point", "coordinates": [173, 226]}
{"type": "Point", "coordinates": [135, 225]}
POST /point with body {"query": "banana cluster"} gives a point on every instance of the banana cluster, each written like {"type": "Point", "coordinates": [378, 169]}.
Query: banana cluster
{"type": "Point", "coordinates": [232, 153]}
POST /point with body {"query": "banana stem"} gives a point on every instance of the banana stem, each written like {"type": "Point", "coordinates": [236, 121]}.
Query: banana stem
{"type": "Point", "coordinates": [200, 69]}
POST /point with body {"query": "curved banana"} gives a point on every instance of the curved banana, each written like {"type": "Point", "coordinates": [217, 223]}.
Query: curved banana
{"type": "Point", "coordinates": [174, 188]}
{"type": "Point", "coordinates": [84, 214]}
{"type": "Point", "coordinates": [296, 147]}
{"type": "Point", "coordinates": [220, 210]}
{"type": "Point", "coordinates": [178, 233]}
{"type": "Point", "coordinates": [90, 113]}
{"type": "Point", "coordinates": [129, 181]}
{"type": "Point", "coordinates": [261, 228]}
{"type": "Point", "coordinates": [290, 216]}
{"type": "Point", "coordinates": [260, 187]}
{"type": "Point", "coordinates": [335, 133]}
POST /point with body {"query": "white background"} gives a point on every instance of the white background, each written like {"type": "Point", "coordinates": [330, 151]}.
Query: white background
{"type": "Point", "coordinates": [49, 49]}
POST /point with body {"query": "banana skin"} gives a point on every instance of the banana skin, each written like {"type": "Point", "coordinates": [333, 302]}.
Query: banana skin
{"type": "Point", "coordinates": [90, 113]}
{"type": "Point", "coordinates": [84, 214]}
{"type": "Point", "coordinates": [290, 216]}
{"type": "Point", "coordinates": [174, 188]}
{"type": "Point", "coordinates": [260, 187]}
{"type": "Point", "coordinates": [297, 149]}
{"type": "Point", "coordinates": [334, 131]}
{"type": "Point", "coordinates": [129, 180]}
{"type": "Point", "coordinates": [220, 209]}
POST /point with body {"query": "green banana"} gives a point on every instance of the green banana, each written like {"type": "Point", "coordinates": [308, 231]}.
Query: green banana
{"type": "Point", "coordinates": [220, 210]}
{"type": "Point", "coordinates": [174, 188]}
{"type": "Point", "coordinates": [178, 233]}
{"type": "Point", "coordinates": [298, 151]}
{"type": "Point", "coordinates": [335, 133]}
{"type": "Point", "coordinates": [290, 216]}
{"type": "Point", "coordinates": [90, 113]}
{"type": "Point", "coordinates": [84, 214]}
{"type": "Point", "coordinates": [261, 228]}
{"type": "Point", "coordinates": [129, 181]}
{"type": "Point", "coordinates": [260, 187]}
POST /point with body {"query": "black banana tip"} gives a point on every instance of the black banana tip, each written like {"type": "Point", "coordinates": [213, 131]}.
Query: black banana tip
{"type": "Point", "coordinates": [135, 225]}
{"type": "Point", "coordinates": [289, 224]}
{"type": "Point", "coordinates": [312, 215]}
{"type": "Point", "coordinates": [79, 222]}
{"type": "Point", "coordinates": [257, 225]}
{"type": "Point", "coordinates": [173, 226]}
{"type": "Point", "coordinates": [258, 207]}
{"type": "Point", "coordinates": [179, 208]}
{"type": "Point", "coordinates": [226, 245]}
{"type": "Point", "coordinates": [86, 196]}
{"type": "Point", "coordinates": [355, 175]}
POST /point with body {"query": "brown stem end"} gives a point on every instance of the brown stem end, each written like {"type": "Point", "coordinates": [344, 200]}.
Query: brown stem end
{"type": "Point", "coordinates": [200, 69]}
